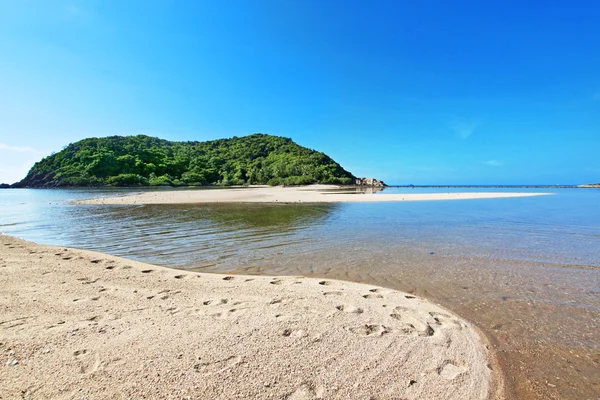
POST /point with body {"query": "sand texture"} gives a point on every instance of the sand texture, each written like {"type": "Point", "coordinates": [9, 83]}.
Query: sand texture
{"type": "Point", "coordinates": [306, 194]}
{"type": "Point", "coordinates": [80, 324]}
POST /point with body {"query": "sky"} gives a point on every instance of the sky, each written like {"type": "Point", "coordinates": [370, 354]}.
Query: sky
{"type": "Point", "coordinates": [411, 92]}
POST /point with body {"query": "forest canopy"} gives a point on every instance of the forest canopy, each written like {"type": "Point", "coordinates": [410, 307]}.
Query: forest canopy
{"type": "Point", "coordinates": [148, 161]}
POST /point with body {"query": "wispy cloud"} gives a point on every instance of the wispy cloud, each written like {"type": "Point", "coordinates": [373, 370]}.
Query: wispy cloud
{"type": "Point", "coordinates": [16, 172]}
{"type": "Point", "coordinates": [494, 163]}
{"type": "Point", "coordinates": [464, 129]}
{"type": "Point", "coordinates": [21, 149]}
{"type": "Point", "coordinates": [75, 13]}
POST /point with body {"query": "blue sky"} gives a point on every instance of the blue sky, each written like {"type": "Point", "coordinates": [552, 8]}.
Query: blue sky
{"type": "Point", "coordinates": [422, 92]}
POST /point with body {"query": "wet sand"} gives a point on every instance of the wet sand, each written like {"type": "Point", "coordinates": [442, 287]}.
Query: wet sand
{"type": "Point", "coordinates": [304, 194]}
{"type": "Point", "coordinates": [82, 324]}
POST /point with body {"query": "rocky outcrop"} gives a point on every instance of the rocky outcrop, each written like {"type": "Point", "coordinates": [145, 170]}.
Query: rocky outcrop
{"type": "Point", "coordinates": [4, 185]}
{"type": "Point", "coordinates": [590, 185]}
{"type": "Point", "coordinates": [36, 180]}
{"type": "Point", "coordinates": [369, 182]}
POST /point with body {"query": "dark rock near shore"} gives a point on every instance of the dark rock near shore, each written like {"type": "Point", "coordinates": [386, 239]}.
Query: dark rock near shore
{"type": "Point", "coordinates": [36, 180]}
{"type": "Point", "coordinates": [369, 182]}
{"type": "Point", "coordinates": [4, 185]}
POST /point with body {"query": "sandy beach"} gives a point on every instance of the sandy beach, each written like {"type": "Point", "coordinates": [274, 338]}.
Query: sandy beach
{"type": "Point", "coordinates": [81, 324]}
{"type": "Point", "coordinates": [303, 194]}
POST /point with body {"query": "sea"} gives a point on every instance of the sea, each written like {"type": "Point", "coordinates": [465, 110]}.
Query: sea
{"type": "Point", "coordinates": [525, 271]}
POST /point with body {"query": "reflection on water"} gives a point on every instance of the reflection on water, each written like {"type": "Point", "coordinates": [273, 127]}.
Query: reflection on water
{"type": "Point", "coordinates": [525, 270]}
{"type": "Point", "coordinates": [184, 236]}
{"type": "Point", "coordinates": [196, 237]}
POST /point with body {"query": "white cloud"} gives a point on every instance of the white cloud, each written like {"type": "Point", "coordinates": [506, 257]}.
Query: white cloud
{"type": "Point", "coordinates": [12, 174]}
{"type": "Point", "coordinates": [494, 163]}
{"type": "Point", "coordinates": [21, 149]}
{"type": "Point", "coordinates": [15, 161]}
{"type": "Point", "coordinates": [464, 129]}
{"type": "Point", "coordinates": [75, 13]}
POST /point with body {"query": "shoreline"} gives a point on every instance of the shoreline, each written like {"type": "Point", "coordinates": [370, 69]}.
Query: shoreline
{"type": "Point", "coordinates": [82, 323]}
{"type": "Point", "coordinates": [305, 194]}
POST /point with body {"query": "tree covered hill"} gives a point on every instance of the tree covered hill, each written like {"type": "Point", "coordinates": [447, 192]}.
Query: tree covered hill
{"type": "Point", "coordinates": [147, 161]}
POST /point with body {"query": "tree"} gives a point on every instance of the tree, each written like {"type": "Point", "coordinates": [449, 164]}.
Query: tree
{"type": "Point", "coordinates": [144, 160]}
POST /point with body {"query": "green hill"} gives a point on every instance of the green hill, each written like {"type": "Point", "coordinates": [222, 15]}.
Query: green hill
{"type": "Point", "coordinates": [148, 161]}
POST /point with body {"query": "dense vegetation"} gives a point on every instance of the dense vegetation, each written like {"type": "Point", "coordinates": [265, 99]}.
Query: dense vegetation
{"type": "Point", "coordinates": [148, 161]}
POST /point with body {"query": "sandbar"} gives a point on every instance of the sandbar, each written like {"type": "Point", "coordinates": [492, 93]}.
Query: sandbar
{"type": "Point", "coordinates": [82, 324]}
{"type": "Point", "coordinates": [306, 194]}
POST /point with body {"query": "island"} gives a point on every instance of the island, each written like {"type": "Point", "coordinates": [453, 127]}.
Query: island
{"type": "Point", "coordinates": [257, 159]}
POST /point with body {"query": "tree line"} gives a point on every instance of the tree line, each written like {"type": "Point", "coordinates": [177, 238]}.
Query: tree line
{"type": "Point", "coordinates": [148, 161]}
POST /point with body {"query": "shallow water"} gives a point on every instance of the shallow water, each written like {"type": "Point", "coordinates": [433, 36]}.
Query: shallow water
{"type": "Point", "coordinates": [525, 270]}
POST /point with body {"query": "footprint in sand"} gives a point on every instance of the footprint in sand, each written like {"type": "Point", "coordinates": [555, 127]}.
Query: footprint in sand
{"type": "Point", "coordinates": [216, 367]}
{"type": "Point", "coordinates": [449, 370]}
{"type": "Point", "coordinates": [147, 271]}
{"type": "Point", "coordinates": [228, 278]}
{"type": "Point", "coordinates": [215, 302]}
{"type": "Point", "coordinates": [350, 309]}
{"type": "Point", "coordinates": [326, 283]}
{"type": "Point", "coordinates": [282, 282]}
{"type": "Point", "coordinates": [370, 330]}
{"type": "Point", "coordinates": [306, 391]}
{"type": "Point", "coordinates": [300, 333]}
{"type": "Point", "coordinates": [88, 362]}
{"type": "Point", "coordinates": [373, 296]}
{"type": "Point", "coordinates": [443, 320]}
{"type": "Point", "coordinates": [409, 320]}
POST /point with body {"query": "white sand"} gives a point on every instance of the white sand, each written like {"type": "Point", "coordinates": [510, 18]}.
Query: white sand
{"type": "Point", "coordinates": [306, 194]}
{"type": "Point", "coordinates": [82, 324]}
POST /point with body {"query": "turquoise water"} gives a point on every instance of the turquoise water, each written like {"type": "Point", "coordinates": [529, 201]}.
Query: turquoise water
{"type": "Point", "coordinates": [561, 228]}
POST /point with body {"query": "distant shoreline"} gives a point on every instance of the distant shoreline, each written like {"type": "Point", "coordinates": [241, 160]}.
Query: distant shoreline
{"type": "Point", "coordinates": [306, 194]}
{"type": "Point", "coordinates": [500, 186]}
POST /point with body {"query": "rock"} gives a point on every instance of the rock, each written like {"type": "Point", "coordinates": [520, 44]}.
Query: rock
{"type": "Point", "coordinates": [369, 182]}
{"type": "Point", "coordinates": [12, 363]}
{"type": "Point", "coordinates": [4, 185]}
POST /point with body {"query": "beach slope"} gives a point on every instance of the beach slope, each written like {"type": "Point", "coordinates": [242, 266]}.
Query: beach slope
{"type": "Point", "coordinates": [80, 324]}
